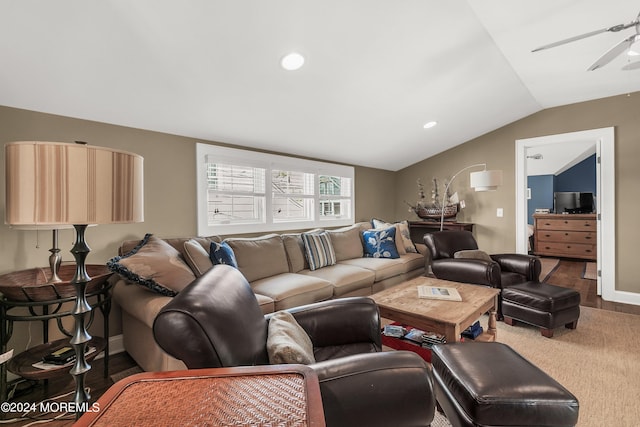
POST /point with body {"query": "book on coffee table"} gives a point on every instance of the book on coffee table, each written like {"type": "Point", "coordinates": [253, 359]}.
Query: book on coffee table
{"type": "Point", "coordinates": [439, 292]}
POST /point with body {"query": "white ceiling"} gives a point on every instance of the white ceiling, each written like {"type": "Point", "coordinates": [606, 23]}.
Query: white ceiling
{"type": "Point", "coordinates": [557, 158]}
{"type": "Point", "coordinates": [375, 71]}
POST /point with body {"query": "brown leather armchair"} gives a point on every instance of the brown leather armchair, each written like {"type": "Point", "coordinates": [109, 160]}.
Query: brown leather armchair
{"type": "Point", "coordinates": [505, 270]}
{"type": "Point", "coordinates": [216, 322]}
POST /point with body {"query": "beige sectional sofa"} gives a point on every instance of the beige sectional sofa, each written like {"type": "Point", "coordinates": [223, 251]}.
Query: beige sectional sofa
{"type": "Point", "coordinates": [278, 271]}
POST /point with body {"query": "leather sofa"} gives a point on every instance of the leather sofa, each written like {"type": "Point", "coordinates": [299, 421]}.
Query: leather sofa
{"type": "Point", "coordinates": [216, 322]}
{"type": "Point", "coordinates": [279, 275]}
{"type": "Point", "coordinates": [501, 271]}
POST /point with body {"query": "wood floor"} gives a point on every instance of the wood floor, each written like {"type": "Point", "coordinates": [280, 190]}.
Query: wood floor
{"type": "Point", "coordinates": [39, 392]}
{"type": "Point", "coordinates": [567, 274]}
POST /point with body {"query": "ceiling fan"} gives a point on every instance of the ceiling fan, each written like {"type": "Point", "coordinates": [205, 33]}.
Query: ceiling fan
{"type": "Point", "coordinates": [611, 53]}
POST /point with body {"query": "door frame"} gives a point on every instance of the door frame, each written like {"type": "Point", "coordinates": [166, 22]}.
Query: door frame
{"type": "Point", "coordinates": [605, 139]}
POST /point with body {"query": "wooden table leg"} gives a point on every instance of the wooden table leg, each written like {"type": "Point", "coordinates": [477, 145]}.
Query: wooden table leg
{"type": "Point", "coordinates": [492, 329]}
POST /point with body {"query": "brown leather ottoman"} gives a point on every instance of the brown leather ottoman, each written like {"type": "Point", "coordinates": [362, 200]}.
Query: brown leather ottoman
{"type": "Point", "coordinates": [490, 384]}
{"type": "Point", "coordinates": [541, 304]}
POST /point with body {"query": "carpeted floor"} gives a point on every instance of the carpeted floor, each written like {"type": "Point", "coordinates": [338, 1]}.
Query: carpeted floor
{"type": "Point", "coordinates": [440, 421]}
{"type": "Point", "coordinates": [599, 362]}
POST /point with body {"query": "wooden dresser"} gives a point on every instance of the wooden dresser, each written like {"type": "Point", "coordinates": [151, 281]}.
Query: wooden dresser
{"type": "Point", "coordinates": [569, 236]}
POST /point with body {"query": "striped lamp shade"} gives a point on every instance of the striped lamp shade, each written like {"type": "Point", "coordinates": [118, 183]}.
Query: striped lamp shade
{"type": "Point", "coordinates": [54, 183]}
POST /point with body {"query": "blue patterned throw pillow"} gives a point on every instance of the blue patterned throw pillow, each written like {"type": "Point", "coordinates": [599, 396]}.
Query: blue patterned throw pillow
{"type": "Point", "coordinates": [221, 253]}
{"type": "Point", "coordinates": [318, 250]}
{"type": "Point", "coordinates": [380, 243]}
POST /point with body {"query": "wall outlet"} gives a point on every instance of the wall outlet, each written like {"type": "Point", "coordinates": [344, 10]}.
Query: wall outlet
{"type": "Point", "coordinates": [500, 212]}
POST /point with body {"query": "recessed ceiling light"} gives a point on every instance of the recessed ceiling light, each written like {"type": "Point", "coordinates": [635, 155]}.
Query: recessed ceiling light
{"type": "Point", "coordinates": [430, 124]}
{"type": "Point", "coordinates": [292, 61]}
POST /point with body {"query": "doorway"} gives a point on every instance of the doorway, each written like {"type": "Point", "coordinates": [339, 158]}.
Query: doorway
{"type": "Point", "coordinates": [604, 140]}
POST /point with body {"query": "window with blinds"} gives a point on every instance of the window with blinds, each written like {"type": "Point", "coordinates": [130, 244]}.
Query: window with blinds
{"type": "Point", "coordinates": [242, 191]}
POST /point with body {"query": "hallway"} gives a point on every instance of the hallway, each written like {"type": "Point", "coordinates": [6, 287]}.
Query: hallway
{"type": "Point", "coordinates": [569, 273]}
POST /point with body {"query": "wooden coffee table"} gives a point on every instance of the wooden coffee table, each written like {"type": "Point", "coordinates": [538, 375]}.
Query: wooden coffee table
{"type": "Point", "coordinates": [449, 318]}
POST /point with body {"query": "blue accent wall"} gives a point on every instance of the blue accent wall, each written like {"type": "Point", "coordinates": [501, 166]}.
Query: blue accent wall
{"type": "Point", "coordinates": [541, 194]}
{"type": "Point", "coordinates": [581, 177]}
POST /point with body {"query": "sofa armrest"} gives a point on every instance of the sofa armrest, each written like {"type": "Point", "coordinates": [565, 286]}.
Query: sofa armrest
{"type": "Point", "coordinates": [467, 270]}
{"type": "Point", "coordinates": [527, 265]}
{"type": "Point", "coordinates": [340, 322]}
{"type": "Point", "coordinates": [377, 389]}
{"type": "Point", "coordinates": [138, 302]}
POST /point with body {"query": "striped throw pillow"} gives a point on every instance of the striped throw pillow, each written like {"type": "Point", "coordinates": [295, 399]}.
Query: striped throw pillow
{"type": "Point", "coordinates": [318, 250]}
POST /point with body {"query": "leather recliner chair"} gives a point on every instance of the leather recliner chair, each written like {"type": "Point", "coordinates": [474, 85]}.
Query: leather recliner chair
{"type": "Point", "coordinates": [216, 322]}
{"type": "Point", "coordinates": [503, 271]}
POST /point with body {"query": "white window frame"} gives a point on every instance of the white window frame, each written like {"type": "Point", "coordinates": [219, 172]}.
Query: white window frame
{"type": "Point", "coordinates": [269, 162]}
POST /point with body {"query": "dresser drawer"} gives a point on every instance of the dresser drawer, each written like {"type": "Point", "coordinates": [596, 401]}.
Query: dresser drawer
{"type": "Point", "coordinates": [566, 224]}
{"type": "Point", "coordinates": [586, 237]}
{"type": "Point", "coordinates": [569, 250]}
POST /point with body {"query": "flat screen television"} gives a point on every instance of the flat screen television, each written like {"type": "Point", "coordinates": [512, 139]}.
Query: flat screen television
{"type": "Point", "coordinates": [573, 202]}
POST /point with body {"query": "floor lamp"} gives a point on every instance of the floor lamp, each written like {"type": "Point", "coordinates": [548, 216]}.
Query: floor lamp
{"type": "Point", "coordinates": [485, 180]}
{"type": "Point", "coordinates": [53, 184]}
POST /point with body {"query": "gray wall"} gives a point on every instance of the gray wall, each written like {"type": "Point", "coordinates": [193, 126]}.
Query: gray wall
{"type": "Point", "coordinates": [170, 196]}
{"type": "Point", "coordinates": [497, 149]}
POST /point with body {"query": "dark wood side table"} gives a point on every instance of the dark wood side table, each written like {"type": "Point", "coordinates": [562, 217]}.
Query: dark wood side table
{"type": "Point", "coordinates": [417, 229]}
{"type": "Point", "coordinates": [251, 395]}
{"type": "Point", "coordinates": [43, 302]}
{"type": "Point", "coordinates": [22, 364]}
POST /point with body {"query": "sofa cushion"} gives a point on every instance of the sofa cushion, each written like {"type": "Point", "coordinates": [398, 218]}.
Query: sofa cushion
{"type": "Point", "coordinates": [294, 246]}
{"type": "Point", "coordinates": [412, 262]}
{"type": "Point", "coordinates": [380, 243]}
{"type": "Point", "coordinates": [221, 253]}
{"type": "Point", "coordinates": [287, 342]}
{"type": "Point", "coordinates": [403, 236]}
{"type": "Point", "coordinates": [154, 264]}
{"type": "Point", "coordinates": [196, 257]}
{"type": "Point", "coordinates": [266, 303]}
{"type": "Point", "coordinates": [345, 278]}
{"type": "Point", "coordinates": [292, 290]}
{"type": "Point", "coordinates": [259, 257]}
{"type": "Point", "coordinates": [318, 250]}
{"type": "Point", "coordinates": [347, 242]}
{"type": "Point", "coordinates": [382, 267]}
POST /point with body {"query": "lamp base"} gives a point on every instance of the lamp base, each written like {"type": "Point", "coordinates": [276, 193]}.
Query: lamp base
{"type": "Point", "coordinates": [81, 307]}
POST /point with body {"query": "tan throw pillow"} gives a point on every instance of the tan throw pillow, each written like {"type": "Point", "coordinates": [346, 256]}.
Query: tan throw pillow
{"type": "Point", "coordinates": [154, 264]}
{"type": "Point", "coordinates": [473, 254]}
{"type": "Point", "coordinates": [287, 342]}
{"type": "Point", "coordinates": [197, 257]}
{"type": "Point", "coordinates": [347, 242]}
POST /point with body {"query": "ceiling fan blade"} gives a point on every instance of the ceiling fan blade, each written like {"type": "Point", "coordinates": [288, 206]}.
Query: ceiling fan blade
{"type": "Point", "coordinates": [613, 29]}
{"type": "Point", "coordinates": [571, 39]}
{"type": "Point", "coordinates": [614, 52]}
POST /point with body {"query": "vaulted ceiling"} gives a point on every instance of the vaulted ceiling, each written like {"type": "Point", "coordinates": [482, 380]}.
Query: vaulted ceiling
{"type": "Point", "coordinates": [375, 71]}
